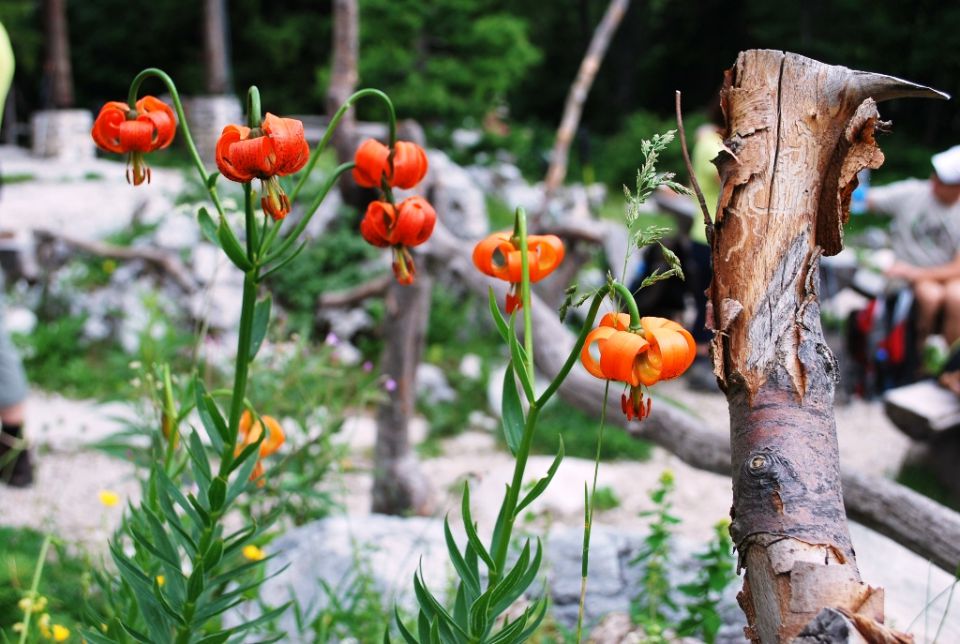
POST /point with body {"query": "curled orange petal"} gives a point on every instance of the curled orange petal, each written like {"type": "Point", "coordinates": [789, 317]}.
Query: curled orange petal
{"type": "Point", "coordinates": [618, 321]}
{"type": "Point", "coordinates": [160, 115]}
{"type": "Point", "coordinates": [409, 165]}
{"type": "Point", "coordinates": [416, 219]}
{"type": "Point", "coordinates": [599, 336]}
{"type": "Point", "coordinates": [676, 346]}
{"type": "Point", "coordinates": [106, 127]}
{"type": "Point", "coordinates": [289, 145]}
{"type": "Point", "coordinates": [619, 355]}
{"type": "Point", "coordinates": [231, 135]}
{"type": "Point", "coordinates": [372, 163]}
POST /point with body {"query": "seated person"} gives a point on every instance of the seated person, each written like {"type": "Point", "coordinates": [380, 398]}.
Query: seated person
{"type": "Point", "coordinates": [925, 235]}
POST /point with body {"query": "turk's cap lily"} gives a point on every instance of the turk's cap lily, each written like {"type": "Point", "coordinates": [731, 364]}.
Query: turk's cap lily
{"type": "Point", "coordinates": [150, 125]}
{"type": "Point", "coordinates": [662, 350]}
{"type": "Point", "coordinates": [498, 256]}
{"type": "Point", "coordinates": [373, 164]}
{"type": "Point", "coordinates": [408, 224]}
{"type": "Point", "coordinates": [250, 431]}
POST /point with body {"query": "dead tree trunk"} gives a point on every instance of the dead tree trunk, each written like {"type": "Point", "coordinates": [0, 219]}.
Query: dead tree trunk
{"type": "Point", "coordinates": [797, 133]}
{"type": "Point", "coordinates": [573, 107]}
{"type": "Point", "coordinates": [59, 74]}
{"type": "Point", "coordinates": [216, 56]}
{"type": "Point", "coordinates": [399, 487]}
{"type": "Point", "coordinates": [343, 83]}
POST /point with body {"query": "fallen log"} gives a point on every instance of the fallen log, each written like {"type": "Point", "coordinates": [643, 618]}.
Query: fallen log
{"type": "Point", "coordinates": [165, 262]}
{"type": "Point", "coordinates": [911, 519]}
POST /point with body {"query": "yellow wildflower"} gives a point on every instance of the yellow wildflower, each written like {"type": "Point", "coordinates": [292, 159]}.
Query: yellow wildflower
{"type": "Point", "coordinates": [60, 633]}
{"type": "Point", "coordinates": [161, 580]}
{"type": "Point", "coordinates": [108, 497]}
{"type": "Point", "coordinates": [253, 553]}
{"type": "Point", "coordinates": [18, 627]}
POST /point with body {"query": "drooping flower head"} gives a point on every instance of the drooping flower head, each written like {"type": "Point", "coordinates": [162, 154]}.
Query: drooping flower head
{"type": "Point", "coordinates": [499, 256]}
{"type": "Point", "coordinates": [374, 165]}
{"type": "Point", "coordinates": [250, 431]}
{"type": "Point", "coordinates": [275, 149]}
{"type": "Point", "coordinates": [402, 227]}
{"type": "Point", "coordinates": [661, 350]}
{"type": "Point", "coordinates": [150, 126]}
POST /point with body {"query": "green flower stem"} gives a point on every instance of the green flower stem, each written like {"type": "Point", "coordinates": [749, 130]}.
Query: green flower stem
{"type": "Point", "coordinates": [513, 492]}
{"type": "Point", "coordinates": [291, 238]}
{"type": "Point", "coordinates": [521, 226]}
{"type": "Point", "coordinates": [169, 412]}
{"type": "Point", "coordinates": [250, 220]}
{"type": "Point", "coordinates": [35, 585]}
{"type": "Point", "coordinates": [254, 113]}
{"type": "Point", "coordinates": [178, 106]}
{"type": "Point", "coordinates": [242, 364]}
{"type": "Point", "coordinates": [391, 119]}
{"type": "Point", "coordinates": [575, 352]}
{"type": "Point", "coordinates": [588, 524]}
{"type": "Point", "coordinates": [627, 296]}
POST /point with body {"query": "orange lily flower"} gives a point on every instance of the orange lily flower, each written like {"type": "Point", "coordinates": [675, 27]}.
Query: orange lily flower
{"type": "Point", "coordinates": [250, 431]}
{"type": "Point", "coordinates": [660, 351]}
{"type": "Point", "coordinates": [373, 164]}
{"type": "Point", "coordinates": [149, 126]}
{"type": "Point", "coordinates": [498, 256]}
{"type": "Point", "coordinates": [402, 227]}
{"type": "Point", "coordinates": [275, 149]}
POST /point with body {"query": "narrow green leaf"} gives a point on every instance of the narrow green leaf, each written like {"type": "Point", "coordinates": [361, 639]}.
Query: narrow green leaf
{"type": "Point", "coordinates": [216, 638]}
{"type": "Point", "coordinates": [214, 554]}
{"type": "Point", "coordinates": [284, 262]}
{"type": "Point", "coordinates": [199, 457]}
{"type": "Point", "coordinates": [261, 316]}
{"type": "Point", "coordinates": [217, 493]}
{"type": "Point", "coordinates": [404, 633]}
{"type": "Point", "coordinates": [467, 575]}
{"type": "Point", "coordinates": [517, 585]}
{"type": "Point", "coordinates": [195, 583]}
{"type": "Point", "coordinates": [480, 621]}
{"type": "Point", "coordinates": [511, 410]}
{"type": "Point", "coordinates": [471, 529]}
{"type": "Point", "coordinates": [207, 227]}
{"type": "Point", "coordinates": [498, 320]}
{"type": "Point", "coordinates": [430, 605]}
{"type": "Point", "coordinates": [211, 417]}
{"type": "Point", "coordinates": [518, 355]}
{"type": "Point", "coordinates": [423, 627]}
{"type": "Point", "coordinates": [542, 484]}
{"type": "Point", "coordinates": [231, 246]}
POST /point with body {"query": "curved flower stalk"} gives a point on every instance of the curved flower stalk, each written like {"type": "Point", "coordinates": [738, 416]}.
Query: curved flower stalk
{"type": "Point", "coordinates": [177, 568]}
{"type": "Point", "coordinates": [387, 224]}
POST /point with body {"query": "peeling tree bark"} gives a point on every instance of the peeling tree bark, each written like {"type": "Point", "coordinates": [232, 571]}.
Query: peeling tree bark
{"type": "Point", "coordinates": [797, 133]}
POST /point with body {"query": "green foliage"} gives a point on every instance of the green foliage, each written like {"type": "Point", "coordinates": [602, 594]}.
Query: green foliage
{"type": "Point", "coordinates": [336, 260]}
{"type": "Point", "coordinates": [65, 581]}
{"type": "Point", "coordinates": [448, 59]}
{"type": "Point", "coordinates": [650, 609]}
{"type": "Point", "coordinates": [716, 573]}
{"type": "Point", "coordinates": [579, 432]}
{"type": "Point", "coordinates": [605, 498]}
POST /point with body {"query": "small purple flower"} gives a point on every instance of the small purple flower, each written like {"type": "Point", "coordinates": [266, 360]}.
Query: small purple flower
{"type": "Point", "coordinates": [331, 340]}
{"type": "Point", "coordinates": [367, 366]}
{"type": "Point", "coordinates": [390, 384]}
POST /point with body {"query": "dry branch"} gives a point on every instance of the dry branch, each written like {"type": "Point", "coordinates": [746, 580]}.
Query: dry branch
{"type": "Point", "coordinates": [573, 107]}
{"type": "Point", "coordinates": [167, 263]}
{"type": "Point", "coordinates": [337, 299]}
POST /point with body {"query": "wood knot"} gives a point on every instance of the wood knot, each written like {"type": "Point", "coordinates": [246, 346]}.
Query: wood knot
{"type": "Point", "coordinates": [758, 462]}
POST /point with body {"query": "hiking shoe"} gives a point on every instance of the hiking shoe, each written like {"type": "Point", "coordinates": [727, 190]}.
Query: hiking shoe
{"type": "Point", "coordinates": [16, 469]}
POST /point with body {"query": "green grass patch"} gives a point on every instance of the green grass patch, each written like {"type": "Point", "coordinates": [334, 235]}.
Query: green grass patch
{"type": "Point", "coordinates": [65, 581]}
{"type": "Point", "coordinates": [580, 433]}
{"type": "Point", "coordinates": [22, 177]}
{"type": "Point", "coordinates": [922, 480]}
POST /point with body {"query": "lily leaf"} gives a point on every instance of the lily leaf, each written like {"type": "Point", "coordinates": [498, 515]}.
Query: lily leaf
{"type": "Point", "coordinates": [512, 411]}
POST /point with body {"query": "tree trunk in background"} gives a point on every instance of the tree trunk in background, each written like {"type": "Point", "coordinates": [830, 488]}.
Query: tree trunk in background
{"type": "Point", "coordinates": [797, 133]}
{"type": "Point", "coordinates": [577, 96]}
{"type": "Point", "coordinates": [343, 83]}
{"type": "Point", "coordinates": [399, 487]}
{"type": "Point", "coordinates": [57, 70]}
{"type": "Point", "coordinates": [216, 47]}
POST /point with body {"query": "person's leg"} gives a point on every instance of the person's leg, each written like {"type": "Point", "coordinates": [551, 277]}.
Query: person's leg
{"type": "Point", "coordinates": [15, 466]}
{"type": "Point", "coordinates": [930, 297]}
{"type": "Point", "coordinates": [951, 311]}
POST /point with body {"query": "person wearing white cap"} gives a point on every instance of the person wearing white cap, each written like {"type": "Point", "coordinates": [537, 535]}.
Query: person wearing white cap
{"type": "Point", "coordinates": [925, 236]}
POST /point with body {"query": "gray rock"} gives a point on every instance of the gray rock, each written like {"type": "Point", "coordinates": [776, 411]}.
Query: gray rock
{"type": "Point", "coordinates": [471, 366]}
{"type": "Point", "coordinates": [432, 385]}
{"type": "Point", "coordinates": [345, 323]}
{"type": "Point", "coordinates": [458, 200]}
{"type": "Point", "coordinates": [177, 231]}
